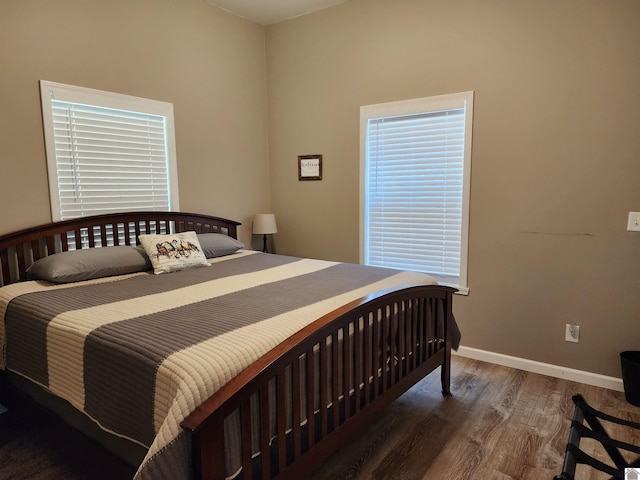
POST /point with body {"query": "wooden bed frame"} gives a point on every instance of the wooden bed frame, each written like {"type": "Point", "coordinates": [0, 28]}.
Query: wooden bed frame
{"type": "Point", "coordinates": [404, 334]}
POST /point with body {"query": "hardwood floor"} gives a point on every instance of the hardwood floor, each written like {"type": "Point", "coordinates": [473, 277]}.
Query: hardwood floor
{"type": "Point", "coordinates": [500, 424]}
{"type": "Point", "coordinates": [36, 445]}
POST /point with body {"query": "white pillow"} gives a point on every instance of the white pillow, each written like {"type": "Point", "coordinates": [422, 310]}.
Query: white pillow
{"type": "Point", "coordinates": [173, 252]}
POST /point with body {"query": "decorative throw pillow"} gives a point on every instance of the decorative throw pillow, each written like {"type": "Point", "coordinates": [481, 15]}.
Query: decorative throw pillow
{"type": "Point", "coordinates": [173, 252]}
{"type": "Point", "coordinates": [218, 245]}
{"type": "Point", "coordinates": [78, 265]}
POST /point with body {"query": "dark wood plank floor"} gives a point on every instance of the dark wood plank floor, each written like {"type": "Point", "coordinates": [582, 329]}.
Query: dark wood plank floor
{"type": "Point", "coordinates": [500, 424]}
{"type": "Point", "coordinates": [36, 445]}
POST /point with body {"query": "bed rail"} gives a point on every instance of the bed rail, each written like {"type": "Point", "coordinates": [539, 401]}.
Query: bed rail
{"type": "Point", "coordinates": [20, 249]}
{"type": "Point", "coordinates": [339, 372]}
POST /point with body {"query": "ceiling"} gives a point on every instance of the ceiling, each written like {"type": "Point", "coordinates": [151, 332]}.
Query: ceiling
{"type": "Point", "coordinates": [266, 12]}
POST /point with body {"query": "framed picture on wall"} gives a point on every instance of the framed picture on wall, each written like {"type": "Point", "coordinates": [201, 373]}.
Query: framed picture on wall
{"type": "Point", "coordinates": [310, 167]}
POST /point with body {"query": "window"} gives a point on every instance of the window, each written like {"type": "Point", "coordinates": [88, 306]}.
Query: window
{"type": "Point", "coordinates": [107, 152]}
{"type": "Point", "coordinates": [415, 175]}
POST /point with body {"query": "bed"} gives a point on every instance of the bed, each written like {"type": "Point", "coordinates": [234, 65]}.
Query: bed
{"type": "Point", "coordinates": [259, 366]}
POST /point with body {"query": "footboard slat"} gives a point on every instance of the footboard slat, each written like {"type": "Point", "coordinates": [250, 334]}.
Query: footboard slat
{"type": "Point", "coordinates": [367, 374]}
{"type": "Point", "coordinates": [384, 350]}
{"type": "Point", "coordinates": [296, 407]}
{"type": "Point", "coordinates": [336, 389]}
{"type": "Point", "coordinates": [264, 426]}
{"type": "Point", "coordinates": [416, 341]}
{"type": "Point", "coordinates": [345, 368]}
{"type": "Point", "coordinates": [245, 418]}
{"type": "Point", "coordinates": [408, 337]}
{"type": "Point", "coordinates": [310, 395]}
{"type": "Point", "coordinates": [359, 357]}
{"type": "Point", "coordinates": [324, 381]}
{"type": "Point", "coordinates": [281, 419]}
{"type": "Point", "coordinates": [393, 345]}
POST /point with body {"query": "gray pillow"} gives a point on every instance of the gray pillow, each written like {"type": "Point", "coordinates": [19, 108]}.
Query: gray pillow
{"type": "Point", "coordinates": [218, 245]}
{"type": "Point", "coordinates": [78, 265]}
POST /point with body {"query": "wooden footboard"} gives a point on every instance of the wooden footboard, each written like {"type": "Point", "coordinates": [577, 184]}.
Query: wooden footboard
{"type": "Point", "coordinates": [304, 398]}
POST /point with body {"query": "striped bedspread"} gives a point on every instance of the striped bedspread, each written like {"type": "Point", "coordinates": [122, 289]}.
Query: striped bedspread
{"type": "Point", "coordinates": [137, 353]}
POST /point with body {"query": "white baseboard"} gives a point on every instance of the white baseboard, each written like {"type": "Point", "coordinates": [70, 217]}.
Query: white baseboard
{"type": "Point", "coordinates": [548, 369]}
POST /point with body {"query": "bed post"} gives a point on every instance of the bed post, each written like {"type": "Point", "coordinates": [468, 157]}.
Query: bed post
{"type": "Point", "coordinates": [448, 330]}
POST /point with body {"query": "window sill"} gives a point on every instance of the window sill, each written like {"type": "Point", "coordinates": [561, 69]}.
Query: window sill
{"type": "Point", "coordinates": [461, 290]}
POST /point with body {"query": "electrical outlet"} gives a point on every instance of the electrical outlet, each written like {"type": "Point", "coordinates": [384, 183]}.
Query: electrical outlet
{"type": "Point", "coordinates": [633, 223]}
{"type": "Point", "coordinates": [572, 333]}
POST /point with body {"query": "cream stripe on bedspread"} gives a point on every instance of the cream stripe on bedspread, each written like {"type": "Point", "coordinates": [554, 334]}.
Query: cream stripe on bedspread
{"type": "Point", "coordinates": [195, 366]}
{"type": "Point", "coordinates": [11, 291]}
{"type": "Point", "coordinates": [67, 332]}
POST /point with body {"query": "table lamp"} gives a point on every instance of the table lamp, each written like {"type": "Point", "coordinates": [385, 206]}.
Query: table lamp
{"type": "Point", "coordinates": [265, 224]}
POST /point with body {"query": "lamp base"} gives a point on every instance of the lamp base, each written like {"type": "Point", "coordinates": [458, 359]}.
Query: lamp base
{"type": "Point", "coordinates": [264, 243]}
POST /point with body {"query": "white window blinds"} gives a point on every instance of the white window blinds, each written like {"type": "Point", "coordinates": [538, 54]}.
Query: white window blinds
{"type": "Point", "coordinates": [107, 153]}
{"type": "Point", "coordinates": [414, 191]}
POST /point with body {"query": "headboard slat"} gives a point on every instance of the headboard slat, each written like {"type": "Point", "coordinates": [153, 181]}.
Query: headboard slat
{"type": "Point", "coordinates": [35, 250]}
{"type": "Point", "coordinates": [103, 234]}
{"type": "Point", "coordinates": [50, 245]}
{"type": "Point", "coordinates": [6, 272]}
{"type": "Point", "coordinates": [22, 266]}
{"type": "Point", "coordinates": [137, 228]}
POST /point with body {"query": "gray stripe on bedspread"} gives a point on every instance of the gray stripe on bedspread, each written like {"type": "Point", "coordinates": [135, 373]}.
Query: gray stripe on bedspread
{"type": "Point", "coordinates": [28, 316]}
{"type": "Point", "coordinates": [152, 338]}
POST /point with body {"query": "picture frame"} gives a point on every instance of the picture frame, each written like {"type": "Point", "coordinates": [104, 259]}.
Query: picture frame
{"type": "Point", "coordinates": [310, 167]}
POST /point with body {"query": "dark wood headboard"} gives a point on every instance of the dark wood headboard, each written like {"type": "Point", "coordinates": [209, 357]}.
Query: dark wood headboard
{"type": "Point", "coordinates": [20, 249]}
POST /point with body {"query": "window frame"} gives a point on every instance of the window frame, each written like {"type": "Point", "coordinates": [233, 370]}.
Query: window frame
{"type": "Point", "coordinates": [411, 107]}
{"type": "Point", "coordinates": [100, 98]}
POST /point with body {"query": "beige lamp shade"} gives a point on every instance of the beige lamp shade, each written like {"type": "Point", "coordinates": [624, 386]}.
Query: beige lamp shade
{"type": "Point", "coordinates": [265, 223]}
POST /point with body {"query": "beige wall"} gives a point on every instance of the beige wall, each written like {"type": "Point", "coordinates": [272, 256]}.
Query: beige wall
{"type": "Point", "coordinates": [556, 154]}
{"type": "Point", "coordinates": [208, 63]}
